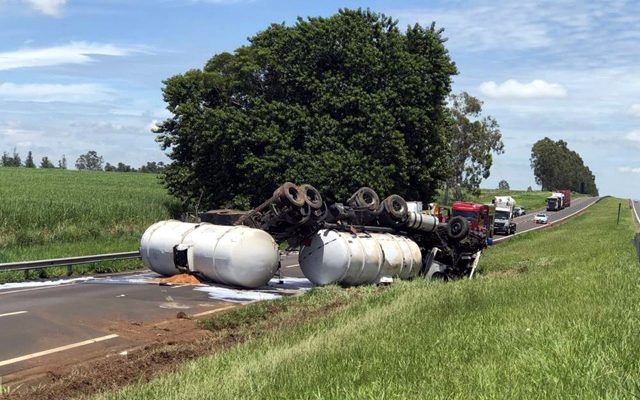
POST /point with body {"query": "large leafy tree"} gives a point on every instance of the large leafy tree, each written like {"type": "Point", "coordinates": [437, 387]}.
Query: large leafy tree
{"type": "Point", "coordinates": [555, 166]}
{"type": "Point", "coordinates": [337, 102]}
{"type": "Point", "coordinates": [90, 161]}
{"type": "Point", "coordinates": [473, 139]}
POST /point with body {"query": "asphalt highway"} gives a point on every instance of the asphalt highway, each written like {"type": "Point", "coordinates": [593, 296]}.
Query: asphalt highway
{"type": "Point", "coordinates": [525, 223]}
{"type": "Point", "coordinates": [636, 207]}
{"type": "Point", "coordinates": [66, 323]}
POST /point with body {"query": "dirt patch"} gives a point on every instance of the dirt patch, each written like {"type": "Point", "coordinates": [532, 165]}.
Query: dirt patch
{"type": "Point", "coordinates": [165, 346]}
{"type": "Point", "coordinates": [178, 279]}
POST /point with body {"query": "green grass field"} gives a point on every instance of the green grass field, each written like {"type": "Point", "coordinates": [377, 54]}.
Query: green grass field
{"type": "Point", "coordinates": [56, 213]}
{"type": "Point", "coordinates": [553, 315]}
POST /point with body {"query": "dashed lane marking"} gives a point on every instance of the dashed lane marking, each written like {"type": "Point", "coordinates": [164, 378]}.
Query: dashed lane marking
{"type": "Point", "coordinates": [56, 350]}
{"type": "Point", "coordinates": [13, 313]}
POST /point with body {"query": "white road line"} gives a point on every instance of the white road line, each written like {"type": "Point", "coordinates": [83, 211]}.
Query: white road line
{"type": "Point", "coordinates": [214, 311]}
{"type": "Point", "coordinates": [13, 313]}
{"type": "Point", "coordinates": [292, 266]}
{"type": "Point", "coordinates": [56, 350]}
{"type": "Point", "coordinates": [547, 225]}
{"type": "Point", "coordinates": [634, 205]}
{"type": "Point", "coordinates": [7, 291]}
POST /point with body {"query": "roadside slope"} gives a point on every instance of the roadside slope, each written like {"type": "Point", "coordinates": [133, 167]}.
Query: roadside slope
{"type": "Point", "coordinates": [565, 328]}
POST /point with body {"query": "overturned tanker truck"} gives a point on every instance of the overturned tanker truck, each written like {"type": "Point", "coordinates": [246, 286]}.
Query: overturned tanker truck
{"type": "Point", "coordinates": [357, 242]}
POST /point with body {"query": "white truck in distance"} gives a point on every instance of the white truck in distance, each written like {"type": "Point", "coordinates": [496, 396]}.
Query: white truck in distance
{"type": "Point", "coordinates": [555, 202]}
{"type": "Point", "coordinates": [503, 222]}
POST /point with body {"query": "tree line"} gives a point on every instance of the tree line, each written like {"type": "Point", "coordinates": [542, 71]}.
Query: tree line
{"type": "Point", "coordinates": [90, 161]}
{"type": "Point", "coordinates": [555, 166]}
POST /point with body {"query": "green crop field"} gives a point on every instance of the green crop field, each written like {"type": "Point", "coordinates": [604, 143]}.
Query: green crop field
{"type": "Point", "coordinates": [48, 213]}
{"type": "Point", "coordinates": [553, 315]}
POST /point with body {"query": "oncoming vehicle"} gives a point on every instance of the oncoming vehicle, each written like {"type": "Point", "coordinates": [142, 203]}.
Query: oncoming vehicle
{"type": "Point", "coordinates": [505, 211]}
{"type": "Point", "coordinates": [541, 218]}
{"type": "Point", "coordinates": [519, 211]}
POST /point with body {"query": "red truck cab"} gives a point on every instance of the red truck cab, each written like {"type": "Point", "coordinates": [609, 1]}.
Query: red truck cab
{"type": "Point", "coordinates": [479, 216]}
{"type": "Point", "coordinates": [567, 197]}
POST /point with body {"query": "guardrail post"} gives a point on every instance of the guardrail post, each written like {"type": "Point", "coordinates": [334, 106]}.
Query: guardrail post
{"type": "Point", "coordinates": [69, 270]}
{"type": "Point", "coordinates": [619, 207]}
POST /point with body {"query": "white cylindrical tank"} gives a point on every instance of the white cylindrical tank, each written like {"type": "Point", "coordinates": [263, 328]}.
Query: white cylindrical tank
{"type": "Point", "coordinates": [157, 243]}
{"type": "Point", "coordinates": [347, 259]}
{"type": "Point", "coordinates": [232, 255]}
{"type": "Point", "coordinates": [421, 221]}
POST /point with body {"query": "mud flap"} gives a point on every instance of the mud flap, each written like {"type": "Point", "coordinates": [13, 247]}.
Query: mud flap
{"type": "Point", "coordinates": [428, 262]}
{"type": "Point", "coordinates": [476, 260]}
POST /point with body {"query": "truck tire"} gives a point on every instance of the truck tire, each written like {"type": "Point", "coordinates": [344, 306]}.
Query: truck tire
{"type": "Point", "coordinates": [457, 228]}
{"type": "Point", "coordinates": [365, 198]}
{"type": "Point", "coordinates": [312, 196]}
{"type": "Point", "coordinates": [396, 207]}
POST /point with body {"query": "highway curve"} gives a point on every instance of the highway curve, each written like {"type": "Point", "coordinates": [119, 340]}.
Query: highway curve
{"type": "Point", "coordinates": [525, 222]}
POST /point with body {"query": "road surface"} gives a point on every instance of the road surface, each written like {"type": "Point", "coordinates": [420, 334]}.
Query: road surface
{"type": "Point", "coordinates": [525, 222]}
{"type": "Point", "coordinates": [636, 209]}
{"type": "Point", "coordinates": [70, 322]}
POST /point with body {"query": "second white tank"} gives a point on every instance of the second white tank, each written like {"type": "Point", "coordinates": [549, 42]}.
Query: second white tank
{"type": "Point", "coordinates": [347, 259]}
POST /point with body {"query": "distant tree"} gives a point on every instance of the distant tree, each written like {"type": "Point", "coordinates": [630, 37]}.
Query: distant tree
{"type": "Point", "coordinates": [152, 167]}
{"type": "Point", "coordinates": [555, 166]}
{"type": "Point", "coordinates": [109, 168]}
{"type": "Point", "coordinates": [29, 161]}
{"type": "Point", "coordinates": [11, 160]}
{"type": "Point", "coordinates": [45, 163]}
{"type": "Point", "coordinates": [122, 167]}
{"type": "Point", "coordinates": [90, 161]}
{"type": "Point", "coordinates": [62, 164]}
{"type": "Point", "coordinates": [472, 141]}
{"type": "Point", "coordinates": [503, 185]}
{"type": "Point", "coordinates": [529, 189]}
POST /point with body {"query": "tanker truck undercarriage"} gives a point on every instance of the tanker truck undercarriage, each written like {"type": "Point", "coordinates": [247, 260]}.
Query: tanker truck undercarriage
{"type": "Point", "coordinates": [352, 243]}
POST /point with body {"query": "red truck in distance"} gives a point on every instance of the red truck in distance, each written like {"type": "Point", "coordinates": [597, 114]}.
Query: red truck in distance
{"type": "Point", "coordinates": [567, 197]}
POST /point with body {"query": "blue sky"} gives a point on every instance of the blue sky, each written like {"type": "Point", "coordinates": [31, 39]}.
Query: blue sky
{"type": "Point", "coordinates": [81, 75]}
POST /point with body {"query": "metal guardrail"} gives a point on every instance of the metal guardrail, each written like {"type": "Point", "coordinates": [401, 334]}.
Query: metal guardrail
{"type": "Point", "coordinates": [69, 261]}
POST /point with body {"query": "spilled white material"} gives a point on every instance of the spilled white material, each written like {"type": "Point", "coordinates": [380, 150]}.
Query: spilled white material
{"type": "Point", "coordinates": [287, 282]}
{"type": "Point", "coordinates": [236, 295]}
{"type": "Point", "coordinates": [276, 288]}
{"type": "Point", "coordinates": [24, 285]}
{"type": "Point", "coordinates": [137, 279]}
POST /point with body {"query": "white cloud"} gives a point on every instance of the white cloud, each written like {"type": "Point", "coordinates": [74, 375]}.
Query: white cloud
{"type": "Point", "coordinates": [46, 93]}
{"type": "Point", "coordinates": [634, 110]}
{"type": "Point", "coordinates": [633, 136]}
{"type": "Point", "coordinates": [72, 53]}
{"type": "Point", "coordinates": [53, 8]}
{"type": "Point", "coordinates": [512, 89]}
{"type": "Point", "coordinates": [629, 170]}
